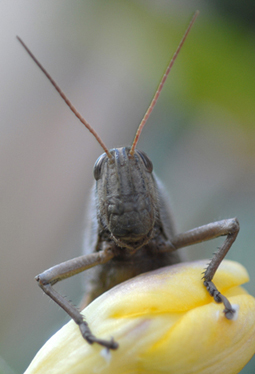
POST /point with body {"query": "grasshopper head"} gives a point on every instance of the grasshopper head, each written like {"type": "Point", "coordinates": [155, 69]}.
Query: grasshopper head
{"type": "Point", "coordinates": [126, 196]}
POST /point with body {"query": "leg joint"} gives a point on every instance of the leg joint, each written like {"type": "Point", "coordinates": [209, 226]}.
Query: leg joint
{"type": "Point", "coordinates": [234, 227]}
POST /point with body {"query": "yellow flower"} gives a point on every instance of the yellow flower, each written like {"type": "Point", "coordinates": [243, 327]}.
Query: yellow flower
{"type": "Point", "coordinates": [165, 322]}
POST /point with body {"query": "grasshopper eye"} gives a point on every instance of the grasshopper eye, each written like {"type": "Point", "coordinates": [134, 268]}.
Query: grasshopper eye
{"type": "Point", "coordinates": [98, 166]}
{"type": "Point", "coordinates": [147, 162]}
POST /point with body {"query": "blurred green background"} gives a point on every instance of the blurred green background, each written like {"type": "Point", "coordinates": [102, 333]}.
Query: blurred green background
{"type": "Point", "coordinates": [108, 57]}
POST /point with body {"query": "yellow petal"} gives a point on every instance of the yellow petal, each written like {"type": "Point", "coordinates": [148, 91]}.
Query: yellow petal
{"type": "Point", "coordinates": [165, 322]}
{"type": "Point", "coordinates": [173, 289]}
{"type": "Point", "coordinates": [206, 341]}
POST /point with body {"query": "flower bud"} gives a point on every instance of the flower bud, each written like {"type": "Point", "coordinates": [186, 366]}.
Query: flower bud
{"type": "Point", "coordinates": [165, 321]}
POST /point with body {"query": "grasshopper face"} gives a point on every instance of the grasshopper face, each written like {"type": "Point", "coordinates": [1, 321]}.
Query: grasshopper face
{"type": "Point", "coordinates": [126, 196]}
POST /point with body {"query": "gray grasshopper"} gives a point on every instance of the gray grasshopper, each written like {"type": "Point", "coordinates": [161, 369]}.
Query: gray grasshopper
{"type": "Point", "coordinates": [132, 228]}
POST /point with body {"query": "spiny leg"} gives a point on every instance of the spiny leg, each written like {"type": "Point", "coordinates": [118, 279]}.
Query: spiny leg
{"type": "Point", "coordinates": [233, 229]}
{"type": "Point", "coordinates": [66, 270]}
{"type": "Point", "coordinates": [229, 228]}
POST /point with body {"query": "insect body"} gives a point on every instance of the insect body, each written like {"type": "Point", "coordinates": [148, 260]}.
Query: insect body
{"type": "Point", "coordinates": [133, 217]}
{"type": "Point", "coordinates": [133, 230]}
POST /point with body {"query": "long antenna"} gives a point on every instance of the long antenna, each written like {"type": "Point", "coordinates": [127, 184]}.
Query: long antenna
{"type": "Point", "coordinates": [68, 102]}
{"type": "Point", "coordinates": [161, 84]}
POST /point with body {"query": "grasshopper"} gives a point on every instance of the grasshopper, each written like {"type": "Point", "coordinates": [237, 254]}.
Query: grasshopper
{"type": "Point", "coordinates": [132, 228]}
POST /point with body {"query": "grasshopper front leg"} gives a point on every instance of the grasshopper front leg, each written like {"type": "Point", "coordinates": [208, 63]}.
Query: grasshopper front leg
{"type": "Point", "coordinates": [65, 270]}
{"type": "Point", "coordinates": [228, 227]}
